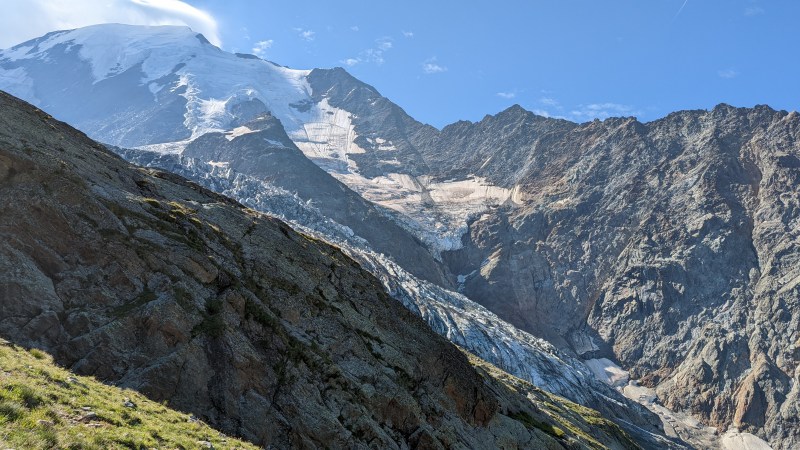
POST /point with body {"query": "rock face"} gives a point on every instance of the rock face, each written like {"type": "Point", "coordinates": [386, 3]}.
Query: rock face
{"type": "Point", "coordinates": [670, 247]}
{"type": "Point", "coordinates": [463, 322]}
{"type": "Point", "coordinates": [145, 280]}
{"type": "Point", "coordinates": [245, 152]}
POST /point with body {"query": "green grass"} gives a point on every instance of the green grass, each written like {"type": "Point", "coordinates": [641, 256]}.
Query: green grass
{"type": "Point", "coordinates": [152, 202]}
{"type": "Point", "coordinates": [557, 416]}
{"type": "Point", "coordinates": [530, 422]}
{"type": "Point", "coordinates": [45, 407]}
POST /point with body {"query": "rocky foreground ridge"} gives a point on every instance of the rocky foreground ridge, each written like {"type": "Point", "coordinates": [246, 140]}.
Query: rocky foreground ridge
{"type": "Point", "coordinates": [142, 279]}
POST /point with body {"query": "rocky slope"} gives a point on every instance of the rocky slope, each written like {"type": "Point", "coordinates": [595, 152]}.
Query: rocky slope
{"type": "Point", "coordinates": [669, 247]}
{"type": "Point", "coordinates": [450, 314]}
{"type": "Point", "coordinates": [176, 86]}
{"type": "Point", "coordinates": [145, 280]}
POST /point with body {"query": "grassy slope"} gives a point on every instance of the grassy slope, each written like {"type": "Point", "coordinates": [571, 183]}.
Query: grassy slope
{"type": "Point", "coordinates": [557, 416]}
{"type": "Point", "coordinates": [43, 406]}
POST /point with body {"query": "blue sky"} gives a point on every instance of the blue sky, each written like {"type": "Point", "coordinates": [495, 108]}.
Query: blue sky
{"type": "Point", "coordinates": [444, 61]}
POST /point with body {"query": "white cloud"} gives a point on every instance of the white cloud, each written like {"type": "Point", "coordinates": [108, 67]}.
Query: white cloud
{"type": "Point", "coordinates": [384, 43]}
{"type": "Point", "coordinates": [541, 112]}
{"type": "Point", "coordinates": [372, 55]}
{"type": "Point", "coordinates": [27, 19]}
{"type": "Point", "coordinates": [728, 73]}
{"type": "Point", "coordinates": [430, 66]}
{"type": "Point", "coordinates": [507, 95]}
{"type": "Point", "coordinates": [260, 48]}
{"type": "Point", "coordinates": [603, 111]}
{"type": "Point", "coordinates": [307, 35]}
{"type": "Point", "coordinates": [354, 28]}
{"type": "Point", "coordinates": [350, 62]}
{"type": "Point", "coordinates": [408, 34]}
{"type": "Point", "coordinates": [753, 11]}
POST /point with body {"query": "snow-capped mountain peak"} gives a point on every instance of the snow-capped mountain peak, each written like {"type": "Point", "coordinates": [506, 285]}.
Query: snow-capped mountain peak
{"type": "Point", "coordinates": [112, 49]}
{"type": "Point", "coordinates": [174, 66]}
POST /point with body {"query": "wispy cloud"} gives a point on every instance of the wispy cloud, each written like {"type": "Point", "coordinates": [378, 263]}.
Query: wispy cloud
{"type": "Point", "coordinates": [680, 9]}
{"type": "Point", "coordinates": [506, 95]}
{"type": "Point", "coordinates": [350, 62]}
{"type": "Point", "coordinates": [753, 11]}
{"type": "Point", "coordinates": [431, 66]}
{"type": "Point", "coordinates": [23, 20]}
{"type": "Point", "coordinates": [408, 34]}
{"type": "Point", "coordinates": [354, 28]}
{"type": "Point", "coordinates": [306, 35]}
{"type": "Point", "coordinates": [549, 106]}
{"type": "Point", "coordinates": [603, 111]}
{"type": "Point", "coordinates": [371, 55]}
{"type": "Point", "coordinates": [541, 112]}
{"type": "Point", "coordinates": [384, 43]}
{"type": "Point", "coordinates": [260, 47]}
{"type": "Point", "coordinates": [728, 73]}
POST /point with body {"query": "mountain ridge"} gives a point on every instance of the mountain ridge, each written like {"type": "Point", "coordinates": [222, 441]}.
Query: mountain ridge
{"type": "Point", "coordinates": [262, 332]}
{"type": "Point", "coordinates": [647, 243]}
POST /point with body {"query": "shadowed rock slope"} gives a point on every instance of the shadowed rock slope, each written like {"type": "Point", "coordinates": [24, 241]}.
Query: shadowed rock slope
{"type": "Point", "coordinates": [145, 280]}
